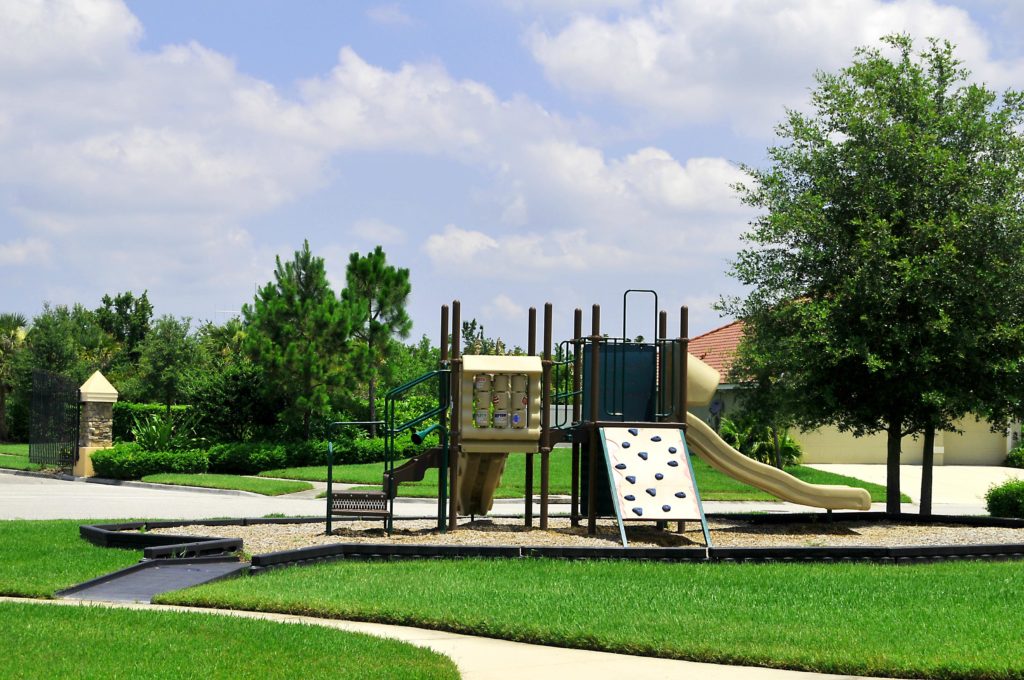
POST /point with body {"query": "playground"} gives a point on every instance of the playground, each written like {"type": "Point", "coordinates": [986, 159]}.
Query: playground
{"type": "Point", "coordinates": [616, 412]}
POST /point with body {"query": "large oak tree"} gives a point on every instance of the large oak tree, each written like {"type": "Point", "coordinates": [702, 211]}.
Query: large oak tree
{"type": "Point", "coordinates": [886, 270]}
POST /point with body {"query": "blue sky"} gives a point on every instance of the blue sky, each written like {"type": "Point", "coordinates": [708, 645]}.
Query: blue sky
{"type": "Point", "coordinates": [509, 152]}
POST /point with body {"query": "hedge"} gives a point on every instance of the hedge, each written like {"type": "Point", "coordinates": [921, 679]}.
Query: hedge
{"type": "Point", "coordinates": [129, 461]}
{"type": "Point", "coordinates": [1006, 500]}
{"type": "Point", "coordinates": [125, 413]}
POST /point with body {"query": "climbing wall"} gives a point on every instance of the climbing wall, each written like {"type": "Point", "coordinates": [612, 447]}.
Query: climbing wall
{"type": "Point", "coordinates": [650, 474]}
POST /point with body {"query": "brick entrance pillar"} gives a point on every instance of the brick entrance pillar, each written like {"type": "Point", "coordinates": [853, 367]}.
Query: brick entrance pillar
{"type": "Point", "coordinates": [96, 422]}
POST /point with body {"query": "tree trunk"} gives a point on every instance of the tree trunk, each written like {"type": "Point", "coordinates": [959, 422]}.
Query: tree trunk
{"type": "Point", "coordinates": [373, 404]}
{"type": "Point", "coordinates": [778, 451]}
{"type": "Point", "coordinates": [892, 466]}
{"type": "Point", "coordinates": [3, 413]}
{"type": "Point", "coordinates": [927, 464]}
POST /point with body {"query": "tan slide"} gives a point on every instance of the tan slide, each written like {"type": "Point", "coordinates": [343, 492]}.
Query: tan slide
{"type": "Point", "coordinates": [703, 440]}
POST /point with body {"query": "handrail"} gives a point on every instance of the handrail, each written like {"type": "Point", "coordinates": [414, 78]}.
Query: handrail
{"type": "Point", "coordinates": [405, 387]}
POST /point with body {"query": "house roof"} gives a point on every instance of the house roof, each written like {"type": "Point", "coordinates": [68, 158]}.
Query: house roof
{"type": "Point", "coordinates": [718, 347]}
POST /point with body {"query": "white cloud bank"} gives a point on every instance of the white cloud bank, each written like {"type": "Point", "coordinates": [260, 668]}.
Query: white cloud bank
{"type": "Point", "coordinates": [740, 61]}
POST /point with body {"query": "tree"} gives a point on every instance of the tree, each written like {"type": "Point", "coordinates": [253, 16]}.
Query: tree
{"type": "Point", "coordinates": [297, 330]}
{"type": "Point", "coordinates": [166, 354]}
{"type": "Point", "coordinates": [381, 292]}
{"type": "Point", "coordinates": [12, 339]}
{"type": "Point", "coordinates": [886, 273]}
{"type": "Point", "coordinates": [126, 318]}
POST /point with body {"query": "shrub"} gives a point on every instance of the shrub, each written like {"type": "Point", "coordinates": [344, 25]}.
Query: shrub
{"type": "Point", "coordinates": [757, 441]}
{"type": "Point", "coordinates": [1015, 458]}
{"type": "Point", "coordinates": [1006, 500]}
{"type": "Point", "coordinates": [130, 461]}
{"type": "Point", "coordinates": [126, 412]}
{"type": "Point", "coordinates": [246, 458]}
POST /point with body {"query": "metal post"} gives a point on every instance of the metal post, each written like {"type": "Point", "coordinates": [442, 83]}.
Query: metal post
{"type": "Point", "coordinates": [455, 431]}
{"type": "Point", "coordinates": [545, 420]}
{"type": "Point", "coordinates": [595, 393]}
{"type": "Point", "coordinates": [442, 418]}
{"type": "Point", "coordinates": [577, 411]}
{"type": "Point", "coordinates": [684, 345]}
{"type": "Point", "coordinates": [330, 477]}
{"type": "Point", "coordinates": [663, 361]}
{"type": "Point", "coordinates": [531, 349]}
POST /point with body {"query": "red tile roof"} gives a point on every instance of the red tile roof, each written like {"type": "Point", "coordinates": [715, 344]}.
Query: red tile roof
{"type": "Point", "coordinates": [716, 348]}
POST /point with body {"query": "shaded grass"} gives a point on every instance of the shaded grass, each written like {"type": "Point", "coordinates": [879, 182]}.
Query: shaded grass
{"type": "Point", "coordinates": [948, 620]}
{"type": "Point", "coordinates": [267, 487]}
{"type": "Point", "coordinates": [713, 485]}
{"type": "Point", "coordinates": [40, 557]}
{"type": "Point", "coordinates": [117, 643]}
{"type": "Point", "coordinates": [15, 457]}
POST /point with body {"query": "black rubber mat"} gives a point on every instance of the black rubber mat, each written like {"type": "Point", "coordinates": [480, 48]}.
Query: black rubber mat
{"type": "Point", "coordinates": [141, 582]}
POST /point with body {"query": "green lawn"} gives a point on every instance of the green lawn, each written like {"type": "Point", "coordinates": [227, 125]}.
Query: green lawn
{"type": "Point", "coordinates": [713, 485]}
{"type": "Point", "coordinates": [267, 487]}
{"type": "Point", "coordinates": [115, 643]}
{"type": "Point", "coordinates": [40, 557]}
{"type": "Point", "coordinates": [950, 620]}
{"type": "Point", "coordinates": [15, 457]}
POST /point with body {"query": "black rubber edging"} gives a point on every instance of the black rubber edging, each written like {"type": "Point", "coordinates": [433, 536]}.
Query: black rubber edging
{"type": "Point", "coordinates": [367, 551]}
{"type": "Point", "coordinates": [193, 549]}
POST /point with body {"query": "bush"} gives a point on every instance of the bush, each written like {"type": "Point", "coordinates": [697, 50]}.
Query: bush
{"type": "Point", "coordinates": [130, 461]}
{"type": "Point", "coordinates": [1006, 500]}
{"type": "Point", "coordinates": [1015, 458]}
{"type": "Point", "coordinates": [757, 441]}
{"type": "Point", "coordinates": [126, 413]}
{"type": "Point", "coordinates": [246, 458]}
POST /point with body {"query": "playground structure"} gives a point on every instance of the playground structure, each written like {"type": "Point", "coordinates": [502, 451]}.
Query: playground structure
{"type": "Point", "coordinates": [621, 405]}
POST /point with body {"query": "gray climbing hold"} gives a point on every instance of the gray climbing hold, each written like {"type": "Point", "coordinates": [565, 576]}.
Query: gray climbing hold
{"type": "Point", "coordinates": [672, 449]}
{"type": "Point", "coordinates": [680, 494]}
{"type": "Point", "coordinates": [630, 497]}
{"type": "Point", "coordinates": [673, 463]}
{"type": "Point", "coordinates": [666, 508]}
{"type": "Point", "coordinates": [639, 511]}
{"type": "Point", "coordinates": [643, 455]}
{"type": "Point", "coordinates": [633, 431]}
{"type": "Point", "coordinates": [652, 491]}
{"type": "Point", "coordinates": [631, 479]}
{"type": "Point", "coordinates": [625, 445]}
{"type": "Point", "coordinates": [659, 476]}
{"type": "Point", "coordinates": [620, 466]}
{"type": "Point", "coordinates": [656, 438]}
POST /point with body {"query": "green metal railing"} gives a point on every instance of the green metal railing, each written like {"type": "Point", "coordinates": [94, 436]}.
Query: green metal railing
{"type": "Point", "coordinates": [391, 430]}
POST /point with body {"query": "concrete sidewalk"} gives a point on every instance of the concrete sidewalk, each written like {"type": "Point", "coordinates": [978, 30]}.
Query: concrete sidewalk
{"type": "Point", "coordinates": [491, 659]}
{"type": "Point", "coordinates": [956, 489]}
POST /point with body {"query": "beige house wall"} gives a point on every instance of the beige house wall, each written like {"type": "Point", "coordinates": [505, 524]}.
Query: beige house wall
{"type": "Point", "coordinates": [977, 445]}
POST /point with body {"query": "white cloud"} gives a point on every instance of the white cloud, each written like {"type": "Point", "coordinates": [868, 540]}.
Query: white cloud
{"type": "Point", "coordinates": [740, 61]}
{"type": "Point", "coordinates": [32, 251]}
{"type": "Point", "coordinates": [391, 14]}
{"type": "Point", "coordinates": [504, 308]}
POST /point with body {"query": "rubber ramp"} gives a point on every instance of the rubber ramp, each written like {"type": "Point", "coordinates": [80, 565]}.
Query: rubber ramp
{"type": "Point", "coordinates": [140, 582]}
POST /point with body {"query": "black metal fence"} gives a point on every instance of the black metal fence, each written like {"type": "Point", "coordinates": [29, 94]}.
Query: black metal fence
{"type": "Point", "coordinates": [53, 424]}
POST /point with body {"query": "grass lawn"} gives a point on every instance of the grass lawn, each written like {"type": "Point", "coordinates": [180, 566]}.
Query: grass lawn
{"type": "Point", "coordinates": [949, 620]}
{"type": "Point", "coordinates": [40, 557]}
{"type": "Point", "coordinates": [267, 487]}
{"type": "Point", "coordinates": [114, 643]}
{"type": "Point", "coordinates": [713, 485]}
{"type": "Point", "coordinates": [15, 457]}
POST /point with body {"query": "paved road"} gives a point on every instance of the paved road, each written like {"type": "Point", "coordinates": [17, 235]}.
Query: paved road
{"type": "Point", "coordinates": [958, 490]}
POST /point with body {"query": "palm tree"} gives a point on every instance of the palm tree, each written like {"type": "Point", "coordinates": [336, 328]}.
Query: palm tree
{"type": "Point", "coordinates": [12, 339]}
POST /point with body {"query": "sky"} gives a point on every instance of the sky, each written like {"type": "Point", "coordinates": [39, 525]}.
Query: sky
{"type": "Point", "coordinates": [507, 152]}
